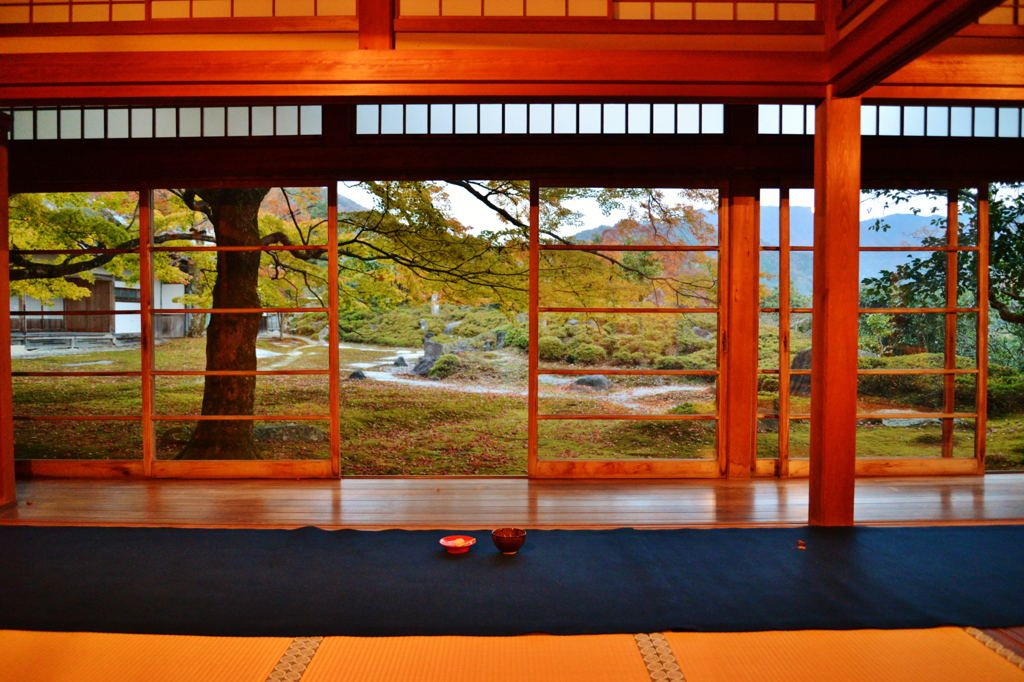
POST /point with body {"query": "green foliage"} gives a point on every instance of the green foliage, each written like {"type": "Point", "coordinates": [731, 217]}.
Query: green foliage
{"type": "Point", "coordinates": [588, 354]}
{"type": "Point", "coordinates": [550, 348]}
{"type": "Point", "coordinates": [446, 366]}
{"type": "Point", "coordinates": [517, 335]}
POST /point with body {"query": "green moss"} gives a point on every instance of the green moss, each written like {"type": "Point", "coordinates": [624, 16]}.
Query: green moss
{"type": "Point", "coordinates": [446, 366]}
{"type": "Point", "coordinates": [550, 348]}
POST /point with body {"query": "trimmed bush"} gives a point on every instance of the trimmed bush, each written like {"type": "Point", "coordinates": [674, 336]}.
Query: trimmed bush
{"type": "Point", "coordinates": [446, 365]}
{"type": "Point", "coordinates": [588, 354]}
{"type": "Point", "coordinates": [550, 348]}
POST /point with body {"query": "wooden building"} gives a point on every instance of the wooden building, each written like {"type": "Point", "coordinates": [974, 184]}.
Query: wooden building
{"type": "Point", "coordinates": [145, 94]}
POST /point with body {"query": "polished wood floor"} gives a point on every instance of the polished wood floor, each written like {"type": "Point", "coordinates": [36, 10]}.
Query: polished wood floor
{"type": "Point", "coordinates": [472, 503]}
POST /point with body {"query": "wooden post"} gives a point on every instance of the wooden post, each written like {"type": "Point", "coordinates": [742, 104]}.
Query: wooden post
{"type": "Point", "coordinates": [332, 323]}
{"type": "Point", "coordinates": [740, 410]}
{"type": "Point", "coordinates": [146, 306]}
{"type": "Point", "coordinates": [836, 302]}
{"type": "Point", "coordinates": [8, 495]}
{"type": "Point", "coordinates": [376, 24]}
{"type": "Point", "coordinates": [949, 380]}
{"type": "Point", "coordinates": [531, 409]}
{"type": "Point", "coordinates": [981, 397]}
{"type": "Point", "coordinates": [782, 466]}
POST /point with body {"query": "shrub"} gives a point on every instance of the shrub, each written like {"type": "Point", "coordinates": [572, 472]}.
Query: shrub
{"type": "Point", "coordinates": [446, 365]}
{"type": "Point", "coordinates": [517, 335]}
{"type": "Point", "coordinates": [622, 357]}
{"type": "Point", "coordinates": [767, 383]}
{"type": "Point", "coordinates": [550, 348]}
{"type": "Point", "coordinates": [588, 354]}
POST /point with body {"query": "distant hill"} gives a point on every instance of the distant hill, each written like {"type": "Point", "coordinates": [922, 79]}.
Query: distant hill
{"type": "Point", "coordinates": [346, 205]}
{"type": "Point", "coordinates": [904, 229]}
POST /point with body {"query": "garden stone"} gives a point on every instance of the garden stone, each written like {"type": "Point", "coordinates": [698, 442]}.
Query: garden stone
{"type": "Point", "coordinates": [425, 364]}
{"type": "Point", "coordinates": [322, 335]}
{"type": "Point", "coordinates": [400, 362]}
{"type": "Point", "coordinates": [573, 323]}
{"type": "Point", "coordinates": [450, 326]}
{"type": "Point", "coordinates": [499, 339]}
{"type": "Point", "coordinates": [597, 381]}
{"type": "Point", "coordinates": [701, 333]}
{"type": "Point", "coordinates": [179, 435]}
{"type": "Point", "coordinates": [861, 353]}
{"type": "Point", "coordinates": [428, 335]}
{"type": "Point", "coordinates": [800, 384]}
{"type": "Point", "coordinates": [374, 327]}
{"type": "Point", "coordinates": [432, 349]}
{"type": "Point", "coordinates": [423, 325]}
{"type": "Point", "coordinates": [487, 345]}
{"type": "Point", "coordinates": [591, 323]}
{"type": "Point", "coordinates": [357, 375]}
{"type": "Point", "coordinates": [288, 433]}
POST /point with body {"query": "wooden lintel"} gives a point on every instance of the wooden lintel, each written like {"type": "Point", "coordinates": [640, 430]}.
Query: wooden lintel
{"type": "Point", "coordinates": [894, 35]}
{"type": "Point", "coordinates": [381, 73]}
{"type": "Point", "coordinates": [956, 77]}
{"type": "Point", "coordinates": [836, 298]}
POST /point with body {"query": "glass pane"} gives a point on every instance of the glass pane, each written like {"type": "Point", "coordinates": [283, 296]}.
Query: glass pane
{"type": "Point", "coordinates": [769, 285]}
{"type": "Point", "coordinates": [799, 439]}
{"type": "Point", "coordinates": [889, 120]}
{"type": "Point", "coordinates": [416, 119]}
{"type": "Point", "coordinates": [590, 118]}
{"type": "Point", "coordinates": [880, 226]}
{"type": "Point", "coordinates": [213, 122]}
{"type": "Point", "coordinates": [311, 120]}
{"type": "Point", "coordinates": [275, 395]}
{"type": "Point", "coordinates": [902, 340]}
{"type": "Point", "coordinates": [688, 119]}
{"type": "Point", "coordinates": [768, 344]}
{"type": "Point", "coordinates": [801, 279]}
{"type": "Point", "coordinates": [93, 123]}
{"type": "Point", "coordinates": [628, 279]}
{"type": "Point", "coordinates": [71, 124]}
{"type": "Point", "coordinates": [913, 121]}
{"type": "Point", "coordinates": [666, 341]}
{"type": "Point", "coordinates": [664, 119]}
{"type": "Point", "coordinates": [179, 353]}
{"type": "Point", "coordinates": [265, 440]}
{"type": "Point", "coordinates": [768, 120]}
{"type": "Point", "coordinates": [515, 119]}
{"type": "Point", "coordinates": [938, 121]}
{"type": "Point", "coordinates": [263, 121]}
{"type": "Point", "coordinates": [490, 119]}
{"type": "Point", "coordinates": [616, 394]}
{"type": "Point", "coordinates": [565, 119]}
{"type": "Point", "coordinates": [24, 125]}
{"type": "Point", "coordinates": [639, 119]}
{"type": "Point", "coordinates": [792, 119]}
{"type": "Point", "coordinates": [800, 342]}
{"type": "Point", "coordinates": [899, 393]}
{"type": "Point", "coordinates": [1009, 122]}
{"type": "Point", "coordinates": [869, 119]}
{"type": "Point", "coordinates": [117, 123]}
{"type": "Point", "coordinates": [801, 217]}
{"type": "Point", "coordinates": [78, 396]}
{"type": "Point", "coordinates": [391, 122]}
{"type": "Point", "coordinates": [961, 120]}
{"type": "Point", "coordinates": [984, 122]}
{"type": "Point", "coordinates": [712, 119]}
{"type": "Point", "coordinates": [614, 119]}
{"type": "Point", "coordinates": [441, 119]}
{"type": "Point", "coordinates": [769, 217]}
{"type": "Point", "coordinates": [287, 120]}
{"type": "Point", "coordinates": [190, 122]}
{"type": "Point", "coordinates": [907, 437]}
{"type": "Point", "coordinates": [894, 279]}
{"type": "Point", "coordinates": [619, 439]}
{"type": "Point", "coordinates": [46, 124]}
{"type": "Point", "coordinates": [631, 216]}
{"type": "Point", "coordinates": [540, 119]}
{"type": "Point", "coordinates": [238, 121]}
{"type": "Point", "coordinates": [65, 440]}
{"type": "Point", "coordinates": [465, 119]}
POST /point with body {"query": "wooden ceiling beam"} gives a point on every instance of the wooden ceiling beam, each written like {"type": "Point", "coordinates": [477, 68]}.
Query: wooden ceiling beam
{"type": "Point", "coordinates": [894, 35]}
{"type": "Point", "coordinates": [956, 76]}
{"type": "Point", "coordinates": [380, 73]}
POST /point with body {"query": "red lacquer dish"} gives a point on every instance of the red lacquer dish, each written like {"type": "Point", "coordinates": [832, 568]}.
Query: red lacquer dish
{"type": "Point", "coordinates": [458, 544]}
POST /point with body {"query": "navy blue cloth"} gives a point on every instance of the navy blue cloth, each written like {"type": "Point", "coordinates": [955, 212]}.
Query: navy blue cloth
{"type": "Point", "coordinates": [365, 583]}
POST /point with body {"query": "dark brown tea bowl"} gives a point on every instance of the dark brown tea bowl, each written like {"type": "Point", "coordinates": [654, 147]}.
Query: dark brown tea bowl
{"type": "Point", "coordinates": [508, 540]}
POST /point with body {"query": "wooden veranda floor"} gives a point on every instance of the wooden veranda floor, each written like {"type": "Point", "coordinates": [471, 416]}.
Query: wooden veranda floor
{"type": "Point", "coordinates": [473, 503]}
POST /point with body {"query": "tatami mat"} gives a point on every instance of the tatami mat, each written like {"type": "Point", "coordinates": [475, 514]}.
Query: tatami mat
{"type": "Point", "coordinates": [942, 654]}
{"type": "Point", "coordinates": [95, 657]}
{"type": "Point", "coordinates": [537, 658]}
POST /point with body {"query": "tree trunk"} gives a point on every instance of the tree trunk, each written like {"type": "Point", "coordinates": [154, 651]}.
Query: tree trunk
{"type": "Point", "coordinates": [231, 337]}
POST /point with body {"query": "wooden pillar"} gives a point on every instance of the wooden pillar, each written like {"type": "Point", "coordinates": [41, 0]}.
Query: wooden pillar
{"type": "Point", "coordinates": [836, 300]}
{"type": "Point", "coordinates": [740, 339]}
{"type": "Point", "coordinates": [376, 24]}
{"type": "Point", "coordinates": [146, 289]}
{"type": "Point", "coordinates": [981, 395]}
{"type": "Point", "coordinates": [8, 495]}
{"type": "Point", "coordinates": [332, 324]}
{"type": "Point", "coordinates": [534, 322]}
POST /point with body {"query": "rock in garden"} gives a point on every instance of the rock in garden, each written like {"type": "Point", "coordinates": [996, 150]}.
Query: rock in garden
{"type": "Point", "coordinates": [425, 364]}
{"type": "Point", "coordinates": [591, 323]}
{"type": "Point", "coordinates": [450, 326]}
{"type": "Point", "coordinates": [487, 344]}
{"type": "Point", "coordinates": [374, 327]}
{"type": "Point", "coordinates": [573, 323]}
{"type": "Point", "coordinates": [358, 375]}
{"type": "Point", "coordinates": [432, 349]}
{"type": "Point", "coordinates": [499, 339]}
{"type": "Point", "coordinates": [428, 335]}
{"type": "Point", "coordinates": [800, 384]}
{"type": "Point", "coordinates": [179, 435]}
{"type": "Point", "coordinates": [423, 325]}
{"type": "Point", "coordinates": [598, 381]}
{"type": "Point", "coordinates": [701, 333]}
{"type": "Point", "coordinates": [400, 362]}
{"type": "Point", "coordinates": [323, 333]}
{"type": "Point", "coordinates": [288, 433]}
{"type": "Point", "coordinates": [861, 353]}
